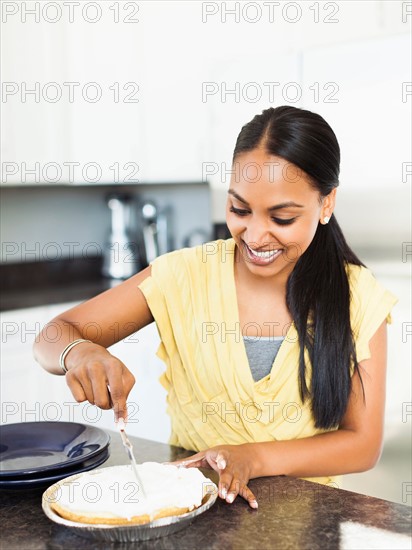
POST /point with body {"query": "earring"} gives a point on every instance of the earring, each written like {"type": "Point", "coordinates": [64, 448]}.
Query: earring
{"type": "Point", "coordinates": [326, 219]}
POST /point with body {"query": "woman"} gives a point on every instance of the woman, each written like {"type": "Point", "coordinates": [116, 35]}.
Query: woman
{"type": "Point", "coordinates": [274, 341]}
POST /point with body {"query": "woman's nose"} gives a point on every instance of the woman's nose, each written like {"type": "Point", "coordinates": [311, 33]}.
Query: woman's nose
{"type": "Point", "coordinates": [258, 232]}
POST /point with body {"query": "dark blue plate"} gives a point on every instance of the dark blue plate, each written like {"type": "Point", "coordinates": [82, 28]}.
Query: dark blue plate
{"type": "Point", "coordinates": [34, 447]}
{"type": "Point", "coordinates": [44, 479]}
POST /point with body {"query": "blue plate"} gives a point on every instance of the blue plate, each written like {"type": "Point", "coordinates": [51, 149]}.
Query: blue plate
{"type": "Point", "coordinates": [44, 479]}
{"type": "Point", "coordinates": [33, 447]}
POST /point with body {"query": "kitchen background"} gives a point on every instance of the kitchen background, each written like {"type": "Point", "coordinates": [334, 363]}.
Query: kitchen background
{"type": "Point", "coordinates": [143, 101]}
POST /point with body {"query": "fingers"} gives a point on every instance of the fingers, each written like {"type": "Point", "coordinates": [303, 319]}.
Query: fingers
{"type": "Point", "coordinates": [120, 381]}
{"type": "Point", "coordinates": [247, 494]}
{"type": "Point", "coordinates": [230, 486]}
{"type": "Point", "coordinates": [212, 458]}
{"type": "Point", "coordinates": [88, 384]}
{"type": "Point", "coordinates": [233, 479]}
{"type": "Point", "coordinates": [98, 382]}
{"type": "Point", "coordinates": [195, 461]}
{"type": "Point", "coordinates": [221, 460]}
{"type": "Point", "coordinates": [76, 388]}
{"type": "Point", "coordinates": [80, 386]}
{"type": "Point", "coordinates": [204, 459]}
{"type": "Point", "coordinates": [103, 380]}
{"type": "Point", "coordinates": [231, 482]}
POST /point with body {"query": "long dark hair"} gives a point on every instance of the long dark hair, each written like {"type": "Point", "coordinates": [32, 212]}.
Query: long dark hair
{"type": "Point", "coordinates": [317, 291]}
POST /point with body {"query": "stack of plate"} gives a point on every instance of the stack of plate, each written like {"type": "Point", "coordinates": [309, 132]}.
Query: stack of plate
{"type": "Point", "coordinates": [33, 454]}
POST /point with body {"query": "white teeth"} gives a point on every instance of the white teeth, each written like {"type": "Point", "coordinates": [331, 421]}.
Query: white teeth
{"type": "Point", "coordinates": [263, 254]}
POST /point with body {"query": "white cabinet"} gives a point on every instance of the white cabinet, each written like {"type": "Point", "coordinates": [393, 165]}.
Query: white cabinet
{"type": "Point", "coordinates": [37, 126]}
{"type": "Point", "coordinates": [29, 393]}
{"type": "Point", "coordinates": [119, 87]}
{"type": "Point", "coordinates": [71, 102]}
{"type": "Point", "coordinates": [117, 100]}
{"type": "Point", "coordinates": [175, 120]}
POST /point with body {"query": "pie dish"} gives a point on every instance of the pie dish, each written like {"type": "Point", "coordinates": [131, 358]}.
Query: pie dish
{"type": "Point", "coordinates": [107, 504]}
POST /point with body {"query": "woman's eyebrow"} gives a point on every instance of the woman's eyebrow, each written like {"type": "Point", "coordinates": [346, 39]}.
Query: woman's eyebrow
{"type": "Point", "coordinates": [287, 204]}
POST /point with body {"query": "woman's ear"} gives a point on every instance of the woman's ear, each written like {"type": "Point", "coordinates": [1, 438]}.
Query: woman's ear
{"type": "Point", "coordinates": [328, 206]}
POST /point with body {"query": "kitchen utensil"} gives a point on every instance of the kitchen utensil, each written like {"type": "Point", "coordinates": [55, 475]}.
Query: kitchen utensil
{"type": "Point", "coordinates": [129, 449]}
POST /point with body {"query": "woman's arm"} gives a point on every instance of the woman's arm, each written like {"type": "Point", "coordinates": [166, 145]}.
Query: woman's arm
{"type": "Point", "coordinates": [105, 320]}
{"type": "Point", "coordinates": [354, 447]}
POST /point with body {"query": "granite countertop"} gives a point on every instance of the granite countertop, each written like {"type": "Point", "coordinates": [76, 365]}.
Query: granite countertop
{"type": "Point", "coordinates": [34, 284]}
{"type": "Point", "coordinates": [58, 294]}
{"type": "Point", "coordinates": [292, 514]}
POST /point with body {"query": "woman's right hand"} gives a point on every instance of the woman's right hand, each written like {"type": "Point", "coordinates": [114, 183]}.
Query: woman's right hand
{"type": "Point", "coordinates": [95, 375]}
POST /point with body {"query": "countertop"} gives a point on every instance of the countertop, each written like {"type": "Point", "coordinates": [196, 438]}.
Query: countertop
{"type": "Point", "coordinates": [292, 514]}
{"type": "Point", "coordinates": [32, 284]}
{"type": "Point", "coordinates": [59, 294]}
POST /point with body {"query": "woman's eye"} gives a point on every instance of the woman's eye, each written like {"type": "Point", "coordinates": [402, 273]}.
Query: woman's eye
{"type": "Point", "coordinates": [238, 211]}
{"type": "Point", "coordinates": [281, 221]}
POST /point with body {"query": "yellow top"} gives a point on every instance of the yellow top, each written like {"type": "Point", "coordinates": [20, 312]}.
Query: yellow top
{"type": "Point", "coordinates": [212, 397]}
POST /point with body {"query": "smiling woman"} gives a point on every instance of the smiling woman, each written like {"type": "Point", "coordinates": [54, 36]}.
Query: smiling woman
{"type": "Point", "coordinates": [274, 340]}
{"type": "Point", "coordinates": [267, 230]}
{"type": "Point", "coordinates": [285, 215]}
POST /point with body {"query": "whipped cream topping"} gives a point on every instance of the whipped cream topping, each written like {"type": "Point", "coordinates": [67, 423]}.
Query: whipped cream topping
{"type": "Point", "coordinates": [114, 492]}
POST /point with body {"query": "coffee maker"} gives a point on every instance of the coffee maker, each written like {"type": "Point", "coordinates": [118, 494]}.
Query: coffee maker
{"type": "Point", "coordinates": [156, 227]}
{"type": "Point", "coordinates": [122, 255]}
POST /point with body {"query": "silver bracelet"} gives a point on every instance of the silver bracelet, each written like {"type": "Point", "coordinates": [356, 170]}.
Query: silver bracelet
{"type": "Point", "coordinates": [66, 351]}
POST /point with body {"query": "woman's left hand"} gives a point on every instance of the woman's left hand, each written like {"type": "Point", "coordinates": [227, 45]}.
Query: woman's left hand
{"type": "Point", "coordinates": [234, 463]}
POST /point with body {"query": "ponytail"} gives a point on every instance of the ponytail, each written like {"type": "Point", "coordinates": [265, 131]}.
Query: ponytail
{"type": "Point", "coordinates": [318, 298]}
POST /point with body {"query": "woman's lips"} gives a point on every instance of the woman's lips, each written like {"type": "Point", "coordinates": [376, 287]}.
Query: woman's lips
{"type": "Point", "coordinates": [263, 257]}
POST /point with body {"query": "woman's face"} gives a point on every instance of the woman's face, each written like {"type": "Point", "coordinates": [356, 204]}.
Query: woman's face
{"type": "Point", "coordinates": [272, 212]}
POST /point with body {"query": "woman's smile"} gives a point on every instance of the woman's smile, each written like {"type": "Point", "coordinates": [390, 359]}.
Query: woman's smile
{"type": "Point", "coordinates": [272, 219]}
{"type": "Point", "coordinates": [262, 257]}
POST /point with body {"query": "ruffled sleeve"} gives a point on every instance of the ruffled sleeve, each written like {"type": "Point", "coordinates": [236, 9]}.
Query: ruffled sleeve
{"type": "Point", "coordinates": [371, 304]}
{"type": "Point", "coordinates": [154, 297]}
{"type": "Point", "coordinates": [155, 293]}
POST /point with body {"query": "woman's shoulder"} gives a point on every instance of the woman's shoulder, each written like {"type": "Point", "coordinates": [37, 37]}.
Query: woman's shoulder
{"type": "Point", "coordinates": [369, 298]}
{"type": "Point", "coordinates": [362, 282]}
{"type": "Point", "coordinates": [359, 276]}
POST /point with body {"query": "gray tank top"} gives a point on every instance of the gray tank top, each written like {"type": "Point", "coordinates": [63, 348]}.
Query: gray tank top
{"type": "Point", "coordinates": [261, 352]}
